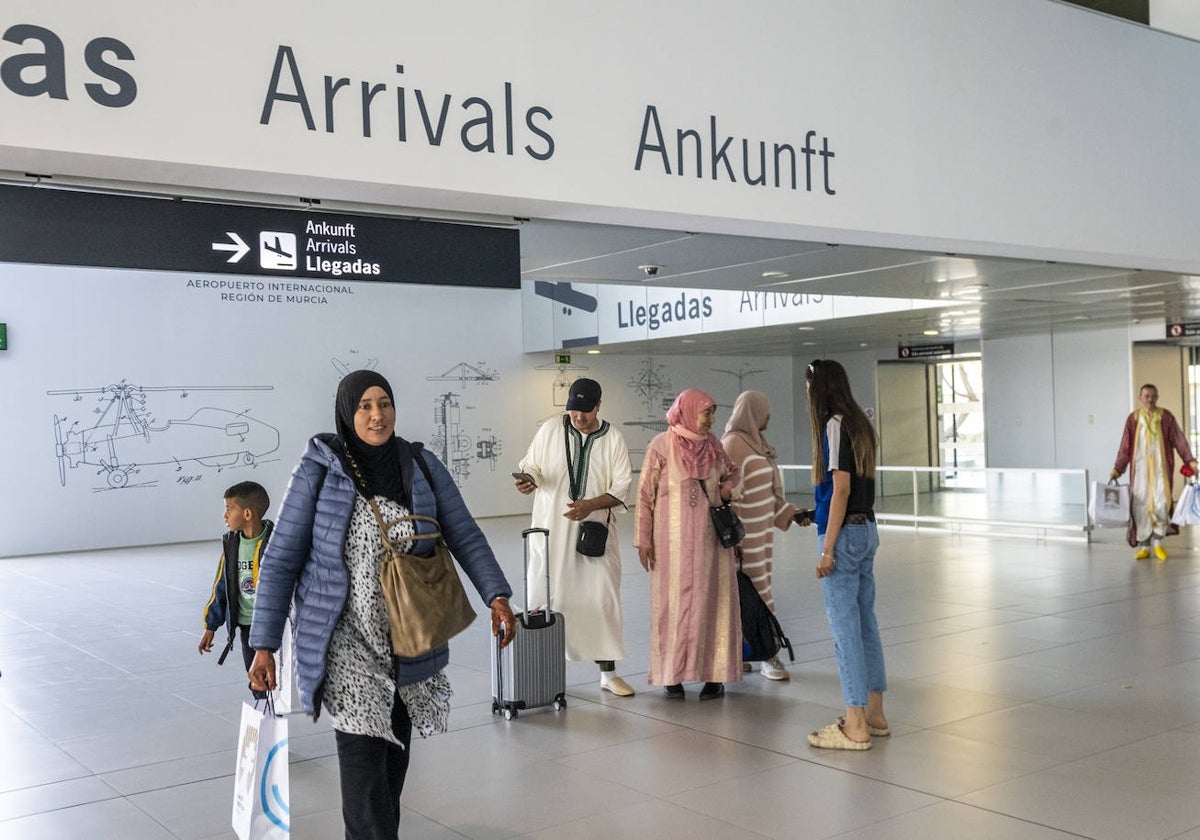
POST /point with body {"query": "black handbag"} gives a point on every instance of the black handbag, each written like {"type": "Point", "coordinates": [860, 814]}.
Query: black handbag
{"type": "Point", "coordinates": [593, 537]}
{"type": "Point", "coordinates": [730, 530]}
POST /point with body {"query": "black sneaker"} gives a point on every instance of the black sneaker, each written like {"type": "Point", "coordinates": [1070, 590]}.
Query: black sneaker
{"type": "Point", "coordinates": [712, 690]}
{"type": "Point", "coordinates": [674, 692]}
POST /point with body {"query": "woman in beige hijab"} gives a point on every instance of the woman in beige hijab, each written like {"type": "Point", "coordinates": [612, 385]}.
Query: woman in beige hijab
{"type": "Point", "coordinates": [761, 505]}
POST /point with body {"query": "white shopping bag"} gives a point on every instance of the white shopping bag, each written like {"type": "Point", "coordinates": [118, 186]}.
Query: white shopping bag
{"type": "Point", "coordinates": [1187, 509]}
{"type": "Point", "coordinates": [1110, 505]}
{"type": "Point", "coordinates": [287, 698]}
{"type": "Point", "coordinates": [261, 810]}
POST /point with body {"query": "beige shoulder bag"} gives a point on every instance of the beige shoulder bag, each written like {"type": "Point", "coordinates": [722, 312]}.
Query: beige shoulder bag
{"type": "Point", "coordinates": [426, 602]}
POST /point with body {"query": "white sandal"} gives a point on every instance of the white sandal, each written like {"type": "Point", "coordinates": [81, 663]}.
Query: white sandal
{"type": "Point", "coordinates": [832, 737]}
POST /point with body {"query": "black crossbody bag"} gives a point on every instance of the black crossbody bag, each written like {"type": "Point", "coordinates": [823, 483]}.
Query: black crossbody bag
{"type": "Point", "coordinates": [730, 530]}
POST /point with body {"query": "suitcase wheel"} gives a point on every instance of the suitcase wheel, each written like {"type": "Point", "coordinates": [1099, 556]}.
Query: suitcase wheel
{"type": "Point", "coordinates": [509, 713]}
{"type": "Point", "coordinates": [560, 702]}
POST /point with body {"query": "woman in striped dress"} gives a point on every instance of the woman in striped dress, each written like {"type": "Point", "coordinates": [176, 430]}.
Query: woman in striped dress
{"type": "Point", "coordinates": [759, 501]}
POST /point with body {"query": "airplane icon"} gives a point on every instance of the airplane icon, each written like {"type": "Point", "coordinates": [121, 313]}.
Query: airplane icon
{"type": "Point", "coordinates": [277, 250]}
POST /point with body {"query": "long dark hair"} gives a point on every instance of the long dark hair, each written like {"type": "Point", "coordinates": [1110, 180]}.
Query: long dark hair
{"type": "Point", "coordinates": [829, 395]}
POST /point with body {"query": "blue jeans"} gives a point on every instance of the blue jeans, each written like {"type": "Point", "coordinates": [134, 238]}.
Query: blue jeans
{"type": "Point", "coordinates": [850, 606]}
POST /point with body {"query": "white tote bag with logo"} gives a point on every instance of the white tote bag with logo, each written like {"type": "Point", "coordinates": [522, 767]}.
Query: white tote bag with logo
{"type": "Point", "coordinates": [1110, 505]}
{"type": "Point", "coordinates": [261, 807]}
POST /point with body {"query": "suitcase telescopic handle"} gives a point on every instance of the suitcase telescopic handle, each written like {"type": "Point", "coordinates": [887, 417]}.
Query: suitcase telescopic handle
{"type": "Point", "coordinates": [496, 640]}
{"type": "Point", "coordinates": [525, 536]}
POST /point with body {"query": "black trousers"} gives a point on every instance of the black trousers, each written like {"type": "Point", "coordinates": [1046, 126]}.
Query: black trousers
{"type": "Point", "coordinates": [248, 656]}
{"type": "Point", "coordinates": [373, 772]}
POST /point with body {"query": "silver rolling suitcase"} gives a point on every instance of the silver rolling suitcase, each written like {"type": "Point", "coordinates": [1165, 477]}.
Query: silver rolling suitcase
{"type": "Point", "coordinates": [532, 671]}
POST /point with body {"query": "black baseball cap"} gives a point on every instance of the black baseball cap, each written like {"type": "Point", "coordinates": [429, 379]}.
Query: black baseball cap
{"type": "Point", "coordinates": [584, 395]}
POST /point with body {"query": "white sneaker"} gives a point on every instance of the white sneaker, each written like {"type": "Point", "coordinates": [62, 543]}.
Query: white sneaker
{"type": "Point", "coordinates": [773, 669]}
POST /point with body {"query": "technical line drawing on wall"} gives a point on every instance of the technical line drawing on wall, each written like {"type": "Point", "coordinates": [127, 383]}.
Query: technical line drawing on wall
{"type": "Point", "coordinates": [562, 382]}
{"type": "Point", "coordinates": [740, 374]}
{"type": "Point", "coordinates": [343, 366]}
{"type": "Point", "coordinates": [123, 436]}
{"type": "Point", "coordinates": [653, 388]}
{"type": "Point", "coordinates": [450, 443]}
{"type": "Point", "coordinates": [453, 447]}
{"type": "Point", "coordinates": [462, 373]}
{"type": "Point", "coordinates": [652, 385]}
{"type": "Point", "coordinates": [488, 448]}
{"type": "Point", "coordinates": [654, 426]}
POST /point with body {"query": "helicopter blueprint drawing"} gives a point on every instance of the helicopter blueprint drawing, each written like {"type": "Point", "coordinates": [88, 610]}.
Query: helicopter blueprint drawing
{"type": "Point", "coordinates": [123, 435]}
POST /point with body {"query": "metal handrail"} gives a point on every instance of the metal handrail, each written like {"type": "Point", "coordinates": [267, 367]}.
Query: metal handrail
{"type": "Point", "coordinates": [1067, 526]}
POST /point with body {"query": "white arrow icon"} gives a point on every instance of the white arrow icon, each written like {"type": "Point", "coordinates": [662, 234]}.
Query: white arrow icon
{"type": "Point", "coordinates": [239, 247]}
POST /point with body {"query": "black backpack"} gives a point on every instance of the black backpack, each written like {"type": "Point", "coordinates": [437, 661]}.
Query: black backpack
{"type": "Point", "coordinates": [762, 637]}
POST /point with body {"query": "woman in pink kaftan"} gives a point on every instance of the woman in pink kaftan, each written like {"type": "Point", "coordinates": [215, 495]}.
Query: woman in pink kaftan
{"type": "Point", "coordinates": [695, 618]}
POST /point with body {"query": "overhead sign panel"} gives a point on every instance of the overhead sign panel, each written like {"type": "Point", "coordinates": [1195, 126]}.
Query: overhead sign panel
{"type": "Point", "coordinates": [922, 351]}
{"type": "Point", "coordinates": [509, 115]}
{"type": "Point", "coordinates": [1188, 329]}
{"type": "Point", "coordinates": [563, 314]}
{"type": "Point", "coordinates": [60, 227]}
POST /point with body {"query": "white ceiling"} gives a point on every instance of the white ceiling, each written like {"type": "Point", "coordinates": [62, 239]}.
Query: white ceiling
{"type": "Point", "coordinates": [985, 297]}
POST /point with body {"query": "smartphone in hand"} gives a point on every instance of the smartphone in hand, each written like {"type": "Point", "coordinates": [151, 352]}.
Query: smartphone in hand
{"type": "Point", "coordinates": [524, 476]}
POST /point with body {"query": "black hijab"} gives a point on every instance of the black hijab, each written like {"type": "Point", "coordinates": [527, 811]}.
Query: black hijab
{"type": "Point", "coordinates": [386, 470]}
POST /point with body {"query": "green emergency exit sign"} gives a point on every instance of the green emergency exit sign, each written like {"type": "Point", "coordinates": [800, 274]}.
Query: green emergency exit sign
{"type": "Point", "coordinates": [559, 358]}
{"type": "Point", "coordinates": [3, 336]}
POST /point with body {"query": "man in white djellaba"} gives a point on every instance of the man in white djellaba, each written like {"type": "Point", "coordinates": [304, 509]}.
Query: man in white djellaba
{"type": "Point", "coordinates": [578, 469]}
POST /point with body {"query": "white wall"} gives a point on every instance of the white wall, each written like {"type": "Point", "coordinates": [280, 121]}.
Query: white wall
{"type": "Point", "coordinates": [1057, 400]}
{"type": "Point", "coordinates": [1018, 401]}
{"type": "Point", "coordinates": [1091, 397]}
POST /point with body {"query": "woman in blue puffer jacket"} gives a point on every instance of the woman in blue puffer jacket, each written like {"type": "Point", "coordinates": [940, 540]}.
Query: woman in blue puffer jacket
{"type": "Point", "coordinates": [325, 555]}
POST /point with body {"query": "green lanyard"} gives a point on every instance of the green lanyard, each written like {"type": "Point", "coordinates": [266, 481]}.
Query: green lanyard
{"type": "Point", "coordinates": [573, 439]}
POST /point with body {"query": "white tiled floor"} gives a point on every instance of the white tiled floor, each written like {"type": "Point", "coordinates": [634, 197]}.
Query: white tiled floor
{"type": "Point", "coordinates": [1037, 691]}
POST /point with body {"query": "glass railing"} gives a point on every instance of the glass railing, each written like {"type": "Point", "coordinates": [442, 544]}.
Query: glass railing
{"type": "Point", "coordinates": [1044, 503]}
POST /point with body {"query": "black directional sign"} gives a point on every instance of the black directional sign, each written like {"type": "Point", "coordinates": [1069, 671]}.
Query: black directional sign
{"type": "Point", "coordinates": [62, 227]}
{"type": "Point", "coordinates": [920, 351]}
{"type": "Point", "coordinates": [1185, 330]}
